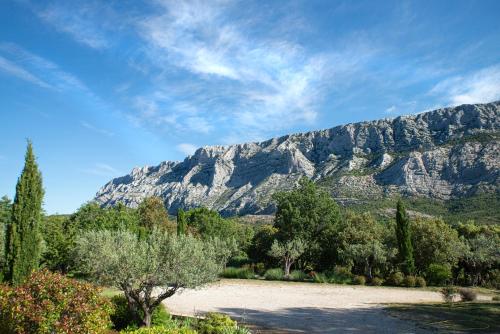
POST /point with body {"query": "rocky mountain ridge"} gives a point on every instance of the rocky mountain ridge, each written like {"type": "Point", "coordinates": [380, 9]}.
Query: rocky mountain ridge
{"type": "Point", "coordinates": [442, 154]}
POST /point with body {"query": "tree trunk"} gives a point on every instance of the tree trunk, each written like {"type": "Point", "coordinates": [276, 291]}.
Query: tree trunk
{"type": "Point", "coordinates": [288, 265]}
{"type": "Point", "coordinates": [146, 320]}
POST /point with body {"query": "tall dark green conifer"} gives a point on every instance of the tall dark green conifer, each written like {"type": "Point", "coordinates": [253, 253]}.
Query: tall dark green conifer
{"type": "Point", "coordinates": [403, 235]}
{"type": "Point", "coordinates": [23, 240]}
{"type": "Point", "coordinates": [181, 222]}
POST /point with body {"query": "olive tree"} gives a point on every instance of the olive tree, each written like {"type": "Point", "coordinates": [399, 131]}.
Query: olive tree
{"type": "Point", "coordinates": [150, 268]}
{"type": "Point", "coordinates": [287, 252]}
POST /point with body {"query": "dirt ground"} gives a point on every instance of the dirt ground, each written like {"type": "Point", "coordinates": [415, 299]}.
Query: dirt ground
{"type": "Point", "coordinates": [283, 307]}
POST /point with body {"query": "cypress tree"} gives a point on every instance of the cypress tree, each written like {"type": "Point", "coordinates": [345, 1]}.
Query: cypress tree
{"type": "Point", "coordinates": [23, 244]}
{"type": "Point", "coordinates": [403, 235]}
{"type": "Point", "coordinates": [181, 222]}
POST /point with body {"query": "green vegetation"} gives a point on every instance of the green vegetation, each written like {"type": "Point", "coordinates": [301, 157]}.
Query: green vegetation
{"type": "Point", "coordinates": [51, 303]}
{"type": "Point", "coordinates": [138, 265]}
{"type": "Point", "coordinates": [403, 236]}
{"type": "Point", "coordinates": [23, 237]}
{"type": "Point", "coordinates": [470, 317]}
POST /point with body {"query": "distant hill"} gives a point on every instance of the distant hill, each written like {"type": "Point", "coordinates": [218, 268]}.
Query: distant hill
{"type": "Point", "coordinates": [436, 159]}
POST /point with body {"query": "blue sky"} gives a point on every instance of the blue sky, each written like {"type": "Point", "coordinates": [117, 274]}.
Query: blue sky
{"type": "Point", "coordinates": [103, 86]}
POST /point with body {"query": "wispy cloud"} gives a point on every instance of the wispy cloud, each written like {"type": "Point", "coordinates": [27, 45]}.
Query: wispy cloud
{"type": "Point", "coordinates": [478, 87]}
{"type": "Point", "coordinates": [76, 21]}
{"type": "Point", "coordinates": [95, 129]}
{"type": "Point", "coordinates": [101, 169]}
{"type": "Point", "coordinates": [36, 70]}
{"type": "Point", "coordinates": [263, 83]}
{"type": "Point", "coordinates": [186, 148]}
{"type": "Point", "coordinates": [21, 73]}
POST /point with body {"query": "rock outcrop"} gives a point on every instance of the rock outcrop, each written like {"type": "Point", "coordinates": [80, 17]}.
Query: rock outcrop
{"type": "Point", "coordinates": [443, 154]}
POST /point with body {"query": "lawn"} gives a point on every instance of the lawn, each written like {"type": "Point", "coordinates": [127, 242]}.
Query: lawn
{"type": "Point", "coordinates": [465, 317]}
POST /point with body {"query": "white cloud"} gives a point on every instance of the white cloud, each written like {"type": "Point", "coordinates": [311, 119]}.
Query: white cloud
{"type": "Point", "coordinates": [264, 83]}
{"type": "Point", "coordinates": [391, 110]}
{"type": "Point", "coordinates": [101, 169]}
{"type": "Point", "coordinates": [95, 129]}
{"type": "Point", "coordinates": [37, 70]}
{"type": "Point", "coordinates": [186, 148]}
{"type": "Point", "coordinates": [21, 73]}
{"type": "Point", "coordinates": [76, 22]}
{"type": "Point", "coordinates": [478, 87]}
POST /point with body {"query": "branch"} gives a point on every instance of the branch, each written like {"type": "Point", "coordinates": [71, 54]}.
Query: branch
{"type": "Point", "coordinates": [169, 293]}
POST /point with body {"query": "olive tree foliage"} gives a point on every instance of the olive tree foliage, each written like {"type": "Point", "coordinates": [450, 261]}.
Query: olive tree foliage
{"type": "Point", "coordinates": [288, 252]}
{"type": "Point", "coordinates": [361, 242]}
{"type": "Point", "coordinates": [151, 268]}
{"type": "Point", "coordinates": [482, 255]}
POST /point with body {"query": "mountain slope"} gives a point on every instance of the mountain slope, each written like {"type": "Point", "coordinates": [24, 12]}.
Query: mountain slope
{"type": "Point", "coordinates": [442, 154]}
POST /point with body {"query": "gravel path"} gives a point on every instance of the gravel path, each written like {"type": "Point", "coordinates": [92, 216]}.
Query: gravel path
{"type": "Point", "coordinates": [277, 307]}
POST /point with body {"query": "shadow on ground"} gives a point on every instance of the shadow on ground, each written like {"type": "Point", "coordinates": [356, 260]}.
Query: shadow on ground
{"type": "Point", "coordinates": [321, 320]}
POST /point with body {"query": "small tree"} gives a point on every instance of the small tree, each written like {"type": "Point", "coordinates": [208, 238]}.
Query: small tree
{"type": "Point", "coordinates": [152, 213]}
{"type": "Point", "coordinates": [288, 252]}
{"type": "Point", "coordinates": [24, 240]}
{"type": "Point", "coordinates": [5, 215]}
{"type": "Point", "coordinates": [158, 261]}
{"type": "Point", "coordinates": [403, 235]}
{"type": "Point", "coordinates": [181, 222]}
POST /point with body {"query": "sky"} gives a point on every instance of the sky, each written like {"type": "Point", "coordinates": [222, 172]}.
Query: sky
{"type": "Point", "coordinates": [103, 86]}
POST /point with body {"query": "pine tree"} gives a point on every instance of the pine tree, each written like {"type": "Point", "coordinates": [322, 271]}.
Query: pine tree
{"type": "Point", "coordinates": [181, 222]}
{"type": "Point", "coordinates": [403, 235]}
{"type": "Point", "coordinates": [23, 244]}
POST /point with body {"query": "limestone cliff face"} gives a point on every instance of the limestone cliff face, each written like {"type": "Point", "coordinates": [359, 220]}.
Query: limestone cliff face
{"type": "Point", "coordinates": [445, 153]}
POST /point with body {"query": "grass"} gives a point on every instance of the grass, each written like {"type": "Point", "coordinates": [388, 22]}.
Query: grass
{"type": "Point", "coordinates": [465, 317]}
{"type": "Point", "coordinates": [110, 292]}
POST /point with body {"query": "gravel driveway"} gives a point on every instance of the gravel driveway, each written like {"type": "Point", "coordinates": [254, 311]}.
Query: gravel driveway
{"type": "Point", "coordinates": [278, 307]}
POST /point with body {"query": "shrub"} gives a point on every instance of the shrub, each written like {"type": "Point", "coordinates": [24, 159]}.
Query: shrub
{"type": "Point", "coordinates": [239, 261]}
{"type": "Point", "coordinates": [359, 280]}
{"type": "Point", "coordinates": [244, 273]}
{"type": "Point", "coordinates": [438, 274]}
{"type": "Point", "coordinates": [260, 268]}
{"type": "Point", "coordinates": [161, 330]}
{"type": "Point", "coordinates": [122, 317]}
{"type": "Point", "coordinates": [52, 303]}
{"type": "Point", "coordinates": [467, 295]}
{"type": "Point", "coordinates": [377, 281]}
{"type": "Point", "coordinates": [420, 282]}
{"type": "Point", "coordinates": [410, 281]}
{"type": "Point", "coordinates": [496, 298]}
{"type": "Point", "coordinates": [319, 277]}
{"type": "Point", "coordinates": [216, 323]}
{"type": "Point", "coordinates": [397, 278]}
{"type": "Point", "coordinates": [448, 293]}
{"type": "Point", "coordinates": [298, 276]}
{"type": "Point", "coordinates": [341, 275]}
{"type": "Point", "coordinates": [275, 274]}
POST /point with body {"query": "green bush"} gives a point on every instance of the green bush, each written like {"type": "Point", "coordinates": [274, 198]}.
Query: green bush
{"type": "Point", "coordinates": [438, 274]}
{"type": "Point", "coordinates": [260, 268]}
{"type": "Point", "coordinates": [239, 261]}
{"type": "Point", "coordinates": [216, 323]}
{"type": "Point", "coordinates": [420, 282]}
{"type": "Point", "coordinates": [377, 281]}
{"type": "Point", "coordinates": [396, 279]}
{"type": "Point", "coordinates": [52, 303]}
{"type": "Point", "coordinates": [448, 293]}
{"type": "Point", "coordinates": [410, 281]}
{"type": "Point", "coordinates": [340, 275]}
{"type": "Point", "coordinates": [496, 298]}
{"type": "Point", "coordinates": [319, 277]}
{"type": "Point", "coordinates": [244, 273]}
{"type": "Point", "coordinates": [275, 274]}
{"type": "Point", "coordinates": [122, 317]}
{"type": "Point", "coordinates": [467, 295]}
{"type": "Point", "coordinates": [359, 280]}
{"type": "Point", "coordinates": [161, 330]}
{"type": "Point", "coordinates": [298, 276]}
